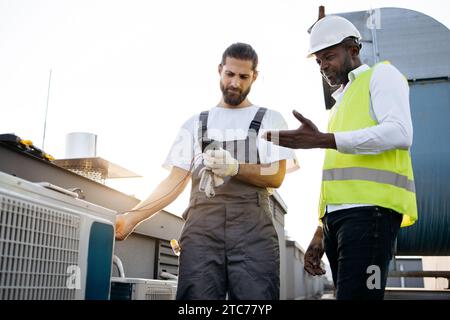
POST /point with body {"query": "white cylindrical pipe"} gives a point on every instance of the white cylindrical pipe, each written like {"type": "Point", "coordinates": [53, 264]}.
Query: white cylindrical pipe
{"type": "Point", "coordinates": [118, 263]}
{"type": "Point", "coordinates": [168, 275]}
{"type": "Point", "coordinates": [81, 145]}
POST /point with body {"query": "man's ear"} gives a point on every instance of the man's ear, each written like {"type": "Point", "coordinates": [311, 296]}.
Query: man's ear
{"type": "Point", "coordinates": [219, 68]}
{"type": "Point", "coordinates": [354, 50]}
{"type": "Point", "coordinates": [255, 74]}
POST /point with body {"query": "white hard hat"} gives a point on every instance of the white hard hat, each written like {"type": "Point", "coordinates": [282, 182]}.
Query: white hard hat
{"type": "Point", "coordinates": [329, 31]}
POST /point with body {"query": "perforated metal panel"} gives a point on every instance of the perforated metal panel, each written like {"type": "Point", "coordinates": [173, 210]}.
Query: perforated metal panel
{"type": "Point", "coordinates": [37, 245]}
{"type": "Point", "coordinates": [97, 175]}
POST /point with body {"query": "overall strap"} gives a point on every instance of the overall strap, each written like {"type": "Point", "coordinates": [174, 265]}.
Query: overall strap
{"type": "Point", "coordinates": [256, 122]}
{"type": "Point", "coordinates": [202, 130]}
{"type": "Point", "coordinates": [250, 145]}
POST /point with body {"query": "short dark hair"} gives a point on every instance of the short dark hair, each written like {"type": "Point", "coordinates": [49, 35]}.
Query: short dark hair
{"type": "Point", "coordinates": [241, 51]}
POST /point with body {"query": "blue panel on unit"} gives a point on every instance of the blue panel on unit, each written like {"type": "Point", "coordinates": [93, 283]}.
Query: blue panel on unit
{"type": "Point", "coordinates": [99, 263]}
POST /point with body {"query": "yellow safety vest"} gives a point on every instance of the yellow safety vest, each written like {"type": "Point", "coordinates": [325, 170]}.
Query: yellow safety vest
{"type": "Point", "coordinates": [385, 179]}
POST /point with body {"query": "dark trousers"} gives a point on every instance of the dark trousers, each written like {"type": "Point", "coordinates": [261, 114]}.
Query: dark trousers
{"type": "Point", "coordinates": [359, 244]}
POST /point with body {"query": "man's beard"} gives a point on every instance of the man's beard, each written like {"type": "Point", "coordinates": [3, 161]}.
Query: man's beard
{"type": "Point", "coordinates": [342, 76]}
{"type": "Point", "coordinates": [233, 99]}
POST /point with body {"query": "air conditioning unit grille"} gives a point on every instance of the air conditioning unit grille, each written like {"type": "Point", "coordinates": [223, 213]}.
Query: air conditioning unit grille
{"type": "Point", "coordinates": [37, 245]}
{"type": "Point", "coordinates": [159, 294]}
{"type": "Point", "coordinates": [142, 289]}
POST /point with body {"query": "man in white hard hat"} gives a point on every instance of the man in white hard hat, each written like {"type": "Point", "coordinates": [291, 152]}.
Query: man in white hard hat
{"type": "Point", "coordinates": [367, 188]}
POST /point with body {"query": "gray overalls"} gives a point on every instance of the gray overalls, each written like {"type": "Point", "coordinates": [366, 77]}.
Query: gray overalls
{"type": "Point", "coordinates": [229, 244]}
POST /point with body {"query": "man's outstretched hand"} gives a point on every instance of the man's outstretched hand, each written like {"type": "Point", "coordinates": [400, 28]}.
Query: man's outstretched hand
{"type": "Point", "coordinates": [314, 253]}
{"type": "Point", "coordinates": [307, 136]}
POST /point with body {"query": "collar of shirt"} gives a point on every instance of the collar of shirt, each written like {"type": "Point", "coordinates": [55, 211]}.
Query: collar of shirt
{"type": "Point", "coordinates": [352, 75]}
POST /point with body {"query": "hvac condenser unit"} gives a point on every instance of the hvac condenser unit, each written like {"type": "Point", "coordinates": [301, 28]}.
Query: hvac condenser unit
{"type": "Point", "coordinates": [52, 245]}
{"type": "Point", "coordinates": [142, 289]}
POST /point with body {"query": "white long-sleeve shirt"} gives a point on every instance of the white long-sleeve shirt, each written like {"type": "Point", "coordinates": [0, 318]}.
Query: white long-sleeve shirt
{"type": "Point", "coordinates": [389, 107]}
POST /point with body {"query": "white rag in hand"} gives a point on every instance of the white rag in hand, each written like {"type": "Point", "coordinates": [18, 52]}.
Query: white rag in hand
{"type": "Point", "coordinates": [208, 182]}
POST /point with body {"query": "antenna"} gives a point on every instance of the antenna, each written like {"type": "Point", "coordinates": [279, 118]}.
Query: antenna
{"type": "Point", "coordinates": [46, 109]}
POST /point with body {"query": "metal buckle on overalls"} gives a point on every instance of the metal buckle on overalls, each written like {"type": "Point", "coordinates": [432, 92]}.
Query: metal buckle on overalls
{"type": "Point", "coordinates": [255, 124]}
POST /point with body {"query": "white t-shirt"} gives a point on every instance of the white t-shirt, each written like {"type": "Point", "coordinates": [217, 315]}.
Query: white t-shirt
{"type": "Point", "coordinates": [226, 124]}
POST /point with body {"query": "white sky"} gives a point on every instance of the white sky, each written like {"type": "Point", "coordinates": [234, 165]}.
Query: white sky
{"type": "Point", "coordinates": [133, 71]}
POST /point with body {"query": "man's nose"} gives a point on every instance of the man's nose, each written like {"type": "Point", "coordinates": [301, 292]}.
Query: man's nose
{"type": "Point", "coordinates": [235, 83]}
{"type": "Point", "coordinates": [323, 66]}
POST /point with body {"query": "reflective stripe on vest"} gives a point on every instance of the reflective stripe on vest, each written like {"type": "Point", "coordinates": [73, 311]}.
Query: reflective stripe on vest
{"type": "Point", "coordinates": [374, 175]}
